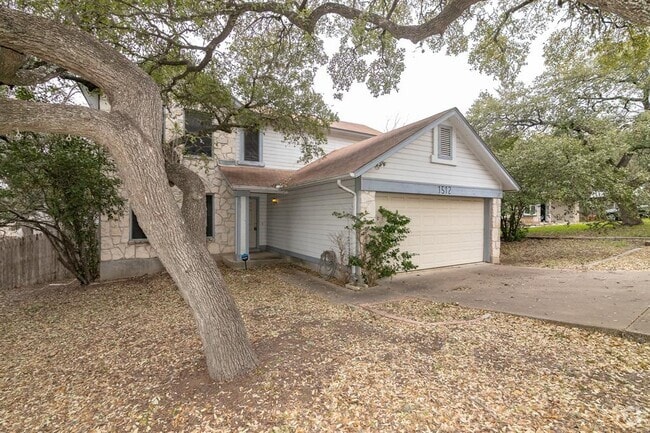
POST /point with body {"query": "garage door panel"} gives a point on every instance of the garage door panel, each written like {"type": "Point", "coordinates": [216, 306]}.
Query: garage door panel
{"type": "Point", "coordinates": [444, 230]}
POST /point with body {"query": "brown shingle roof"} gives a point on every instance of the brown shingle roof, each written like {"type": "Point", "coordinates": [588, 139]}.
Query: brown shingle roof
{"type": "Point", "coordinates": [354, 127]}
{"type": "Point", "coordinates": [350, 158]}
{"type": "Point", "coordinates": [255, 177]}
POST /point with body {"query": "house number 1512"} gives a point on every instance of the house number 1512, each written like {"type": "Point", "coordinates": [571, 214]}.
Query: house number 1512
{"type": "Point", "coordinates": [444, 190]}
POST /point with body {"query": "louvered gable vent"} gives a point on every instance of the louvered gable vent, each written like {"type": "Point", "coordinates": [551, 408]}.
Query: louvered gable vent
{"type": "Point", "coordinates": [444, 143]}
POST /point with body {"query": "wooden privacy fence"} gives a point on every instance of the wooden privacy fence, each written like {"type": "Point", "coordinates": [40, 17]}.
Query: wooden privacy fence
{"type": "Point", "coordinates": [29, 260]}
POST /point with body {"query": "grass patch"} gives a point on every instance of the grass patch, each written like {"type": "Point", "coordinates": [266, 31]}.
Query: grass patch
{"type": "Point", "coordinates": [591, 229]}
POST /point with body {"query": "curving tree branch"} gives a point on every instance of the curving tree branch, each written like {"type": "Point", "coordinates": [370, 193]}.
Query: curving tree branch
{"type": "Point", "coordinates": [412, 32]}
{"type": "Point", "coordinates": [88, 58]}
{"type": "Point", "coordinates": [634, 11]}
{"type": "Point", "coordinates": [57, 119]}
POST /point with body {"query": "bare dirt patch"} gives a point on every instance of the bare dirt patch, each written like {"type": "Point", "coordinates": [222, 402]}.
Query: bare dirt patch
{"type": "Point", "coordinates": [574, 254]}
{"type": "Point", "coordinates": [125, 356]}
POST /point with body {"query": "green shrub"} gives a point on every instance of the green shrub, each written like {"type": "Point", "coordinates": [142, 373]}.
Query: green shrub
{"type": "Point", "coordinates": [378, 253]}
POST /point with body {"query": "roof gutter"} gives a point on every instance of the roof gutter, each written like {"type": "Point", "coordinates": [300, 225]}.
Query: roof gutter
{"type": "Point", "coordinates": [320, 181]}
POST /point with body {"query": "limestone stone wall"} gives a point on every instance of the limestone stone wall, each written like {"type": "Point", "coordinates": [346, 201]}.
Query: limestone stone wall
{"type": "Point", "coordinates": [367, 202]}
{"type": "Point", "coordinates": [115, 235]}
{"type": "Point", "coordinates": [495, 235]}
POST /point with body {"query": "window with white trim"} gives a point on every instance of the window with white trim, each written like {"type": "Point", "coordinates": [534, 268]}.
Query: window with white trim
{"type": "Point", "coordinates": [136, 232]}
{"type": "Point", "coordinates": [209, 204]}
{"type": "Point", "coordinates": [198, 137]}
{"type": "Point", "coordinates": [251, 146]}
{"type": "Point", "coordinates": [530, 210]}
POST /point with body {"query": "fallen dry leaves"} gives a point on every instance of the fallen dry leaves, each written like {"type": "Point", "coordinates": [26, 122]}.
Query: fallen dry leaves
{"type": "Point", "coordinates": [124, 356]}
{"type": "Point", "coordinates": [638, 260]}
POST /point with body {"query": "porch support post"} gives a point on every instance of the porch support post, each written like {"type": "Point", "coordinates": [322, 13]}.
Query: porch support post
{"type": "Point", "coordinates": [241, 223]}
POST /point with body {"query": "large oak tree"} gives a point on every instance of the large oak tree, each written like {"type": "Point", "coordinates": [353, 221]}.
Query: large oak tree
{"type": "Point", "coordinates": [247, 63]}
{"type": "Point", "coordinates": [600, 103]}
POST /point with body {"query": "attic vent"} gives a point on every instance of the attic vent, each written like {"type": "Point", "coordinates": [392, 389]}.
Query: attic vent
{"type": "Point", "coordinates": [444, 143]}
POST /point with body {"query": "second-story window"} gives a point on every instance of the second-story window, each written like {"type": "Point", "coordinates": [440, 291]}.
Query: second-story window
{"type": "Point", "coordinates": [252, 146]}
{"type": "Point", "coordinates": [198, 138]}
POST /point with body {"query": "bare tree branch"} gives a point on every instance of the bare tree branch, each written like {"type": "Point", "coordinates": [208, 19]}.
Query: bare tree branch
{"type": "Point", "coordinates": [506, 16]}
{"type": "Point", "coordinates": [415, 33]}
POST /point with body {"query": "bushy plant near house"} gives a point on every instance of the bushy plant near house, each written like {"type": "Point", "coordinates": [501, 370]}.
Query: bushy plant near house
{"type": "Point", "coordinates": [511, 226]}
{"type": "Point", "coordinates": [59, 185]}
{"type": "Point", "coordinates": [378, 240]}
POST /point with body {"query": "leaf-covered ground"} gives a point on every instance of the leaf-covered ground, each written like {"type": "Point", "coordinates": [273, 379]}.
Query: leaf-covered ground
{"type": "Point", "coordinates": [124, 356]}
{"type": "Point", "coordinates": [576, 254]}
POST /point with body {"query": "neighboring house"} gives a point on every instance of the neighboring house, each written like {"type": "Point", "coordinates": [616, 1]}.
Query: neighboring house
{"type": "Point", "coordinates": [551, 213]}
{"type": "Point", "coordinates": [437, 171]}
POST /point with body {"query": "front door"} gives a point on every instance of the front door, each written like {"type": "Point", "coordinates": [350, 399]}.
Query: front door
{"type": "Point", "coordinates": [252, 223]}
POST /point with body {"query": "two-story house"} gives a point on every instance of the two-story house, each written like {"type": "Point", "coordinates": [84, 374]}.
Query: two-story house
{"type": "Point", "coordinates": [259, 197]}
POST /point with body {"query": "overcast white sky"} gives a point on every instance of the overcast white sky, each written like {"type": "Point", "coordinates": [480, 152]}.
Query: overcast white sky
{"type": "Point", "coordinates": [430, 83]}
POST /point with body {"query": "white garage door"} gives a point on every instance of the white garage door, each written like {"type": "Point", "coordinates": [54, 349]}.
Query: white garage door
{"type": "Point", "coordinates": [444, 230]}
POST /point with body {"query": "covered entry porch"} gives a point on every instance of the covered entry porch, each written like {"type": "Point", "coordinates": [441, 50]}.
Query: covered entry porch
{"type": "Point", "coordinates": [255, 189]}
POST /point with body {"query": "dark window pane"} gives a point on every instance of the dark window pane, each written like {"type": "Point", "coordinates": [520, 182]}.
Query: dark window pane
{"type": "Point", "coordinates": [252, 145]}
{"type": "Point", "coordinates": [209, 203]}
{"type": "Point", "coordinates": [197, 141]}
{"type": "Point", "coordinates": [136, 231]}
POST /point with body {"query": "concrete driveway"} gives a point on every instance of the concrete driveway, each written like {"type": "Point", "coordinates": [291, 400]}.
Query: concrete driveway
{"type": "Point", "coordinates": [611, 300]}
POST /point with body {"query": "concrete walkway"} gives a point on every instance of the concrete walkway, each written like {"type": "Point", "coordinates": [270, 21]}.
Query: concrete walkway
{"type": "Point", "coordinates": [618, 301]}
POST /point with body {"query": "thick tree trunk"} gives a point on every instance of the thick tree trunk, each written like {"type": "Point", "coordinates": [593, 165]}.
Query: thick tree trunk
{"type": "Point", "coordinates": [629, 214]}
{"type": "Point", "coordinates": [634, 11]}
{"type": "Point", "coordinates": [628, 211]}
{"type": "Point", "coordinates": [227, 349]}
{"type": "Point", "coordinates": [193, 207]}
{"type": "Point", "coordinates": [132, 134]}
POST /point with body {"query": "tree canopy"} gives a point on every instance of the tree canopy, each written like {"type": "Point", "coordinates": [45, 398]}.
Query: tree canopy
{"type": "Point", "coordinates": [601, 103]}
{"type": "Point", "coordinates": [254, 63]}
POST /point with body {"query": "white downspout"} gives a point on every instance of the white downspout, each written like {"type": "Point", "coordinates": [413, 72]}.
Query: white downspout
{"type": "Point", "coordinates": [355, 271]}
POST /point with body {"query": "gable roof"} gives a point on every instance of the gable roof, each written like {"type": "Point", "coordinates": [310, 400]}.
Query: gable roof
{"type": "Point", "coordinates": [355, 159]}
{"type": "Point", "coordinates": [356, 128]}
{"type": "Point", "coordinates": [351, 158]}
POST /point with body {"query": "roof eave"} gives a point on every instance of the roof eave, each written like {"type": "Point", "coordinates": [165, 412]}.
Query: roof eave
{"type": "Point", "coordinates": [257, 189]}
{"type": "Point", "coordinates": [347, 131]}
{"type": "Point", "coordinates": [321, 181]}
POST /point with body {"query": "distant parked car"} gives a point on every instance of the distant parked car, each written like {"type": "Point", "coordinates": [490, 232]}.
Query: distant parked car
{"type": "Point", "coordinates": [612, 214]}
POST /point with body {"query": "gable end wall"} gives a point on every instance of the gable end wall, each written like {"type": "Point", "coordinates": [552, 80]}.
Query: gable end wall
{"type": "Point", "coordinates": [413, 164]}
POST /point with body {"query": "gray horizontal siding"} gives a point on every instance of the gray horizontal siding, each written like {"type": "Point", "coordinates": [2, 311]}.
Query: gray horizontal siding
{"type": "Point", "coordinates": [413, 164]}
{"type": "Point", "coordinates": [302, 221]}
{"type": "Point", "coordinates": [277, 153]}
